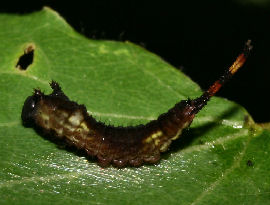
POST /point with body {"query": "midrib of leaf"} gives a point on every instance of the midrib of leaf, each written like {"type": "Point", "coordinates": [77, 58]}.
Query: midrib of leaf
{"type": "Point", "coordinates": [26, 75]}
{"type": "Point", "coordinates": [9, 124]}
{"type": "Point", "coordinates": [124, 116]}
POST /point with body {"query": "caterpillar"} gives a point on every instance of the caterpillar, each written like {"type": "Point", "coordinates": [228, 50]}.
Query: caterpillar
{"type": "Point", "coordinates": [64, 119]}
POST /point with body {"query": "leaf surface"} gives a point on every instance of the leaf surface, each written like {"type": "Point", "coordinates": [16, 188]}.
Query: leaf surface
{"type": "Point", "coordinates": [221, 159]}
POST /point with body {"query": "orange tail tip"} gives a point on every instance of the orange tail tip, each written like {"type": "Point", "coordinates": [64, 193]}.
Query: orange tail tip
{"type": "Point", "coordinates": [241, 59]}
{"type": "Point", "coordinates": [238, 63]}
{"type": "Point", "coordinates": [215, 87]}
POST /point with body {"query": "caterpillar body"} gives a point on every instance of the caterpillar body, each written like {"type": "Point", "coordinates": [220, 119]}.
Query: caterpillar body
{"type": "Point", "coordinates": [58, 116]}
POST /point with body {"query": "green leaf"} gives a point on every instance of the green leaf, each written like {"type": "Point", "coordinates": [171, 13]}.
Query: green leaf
{"type": "Point", "coordinates": [220, 159]}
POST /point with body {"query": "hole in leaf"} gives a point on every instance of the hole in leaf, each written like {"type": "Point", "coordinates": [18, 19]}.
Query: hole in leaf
{"type": "Point", "coordinates": [250, 163]}
{"type": "Point", "coordinates": [26, 59]}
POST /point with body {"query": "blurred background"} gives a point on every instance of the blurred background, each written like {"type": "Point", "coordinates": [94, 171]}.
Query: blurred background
{"type": "Point", "coordinates": [201, 38]}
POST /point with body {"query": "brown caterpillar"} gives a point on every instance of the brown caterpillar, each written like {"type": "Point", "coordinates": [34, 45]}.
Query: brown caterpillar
{"type": "Point", "coordinates": [121, 146]}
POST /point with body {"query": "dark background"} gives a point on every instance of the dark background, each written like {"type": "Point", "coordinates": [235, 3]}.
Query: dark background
{"type": "Point", "coordinates": [201, 38]}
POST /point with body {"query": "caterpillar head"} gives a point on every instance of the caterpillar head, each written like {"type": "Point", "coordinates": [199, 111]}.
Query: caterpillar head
{"type": "Point", "coordinates": [29, 108]}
